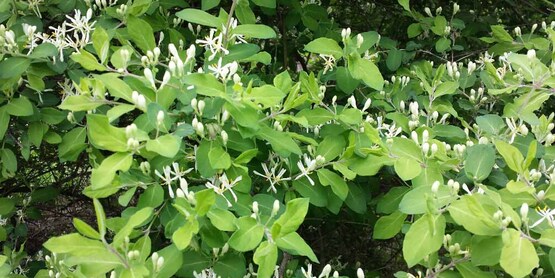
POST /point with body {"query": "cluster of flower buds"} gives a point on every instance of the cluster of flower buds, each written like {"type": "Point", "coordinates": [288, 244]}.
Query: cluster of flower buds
{"type": "Point", "coordinates": [346, 34]}
{"type": "Point", "coordinates": [7, 39]}
{"type": "Point", "coordinates": [122, 10]}
{"type": "Point", "coordinates": [218, 252]}
{"type": "Point", "coordinates": [471, 67]}
{"type": "Point", "coordinates": [534, 175]}
{"type": "Point", "coordinates": [453, 70]}
{"type": "Point", "coordinates": [198, 106]}
{"type": "Point", "coordinates": [133, 254]}
{"type": "Point", "coordinates": [504, 222]}
{"type": "Point", "coordinates": [157, 262]}
{"type": "Point", "coordinates": [456, 8]}
{"type": "Point", "coordinates": [198, 127]}
{"type": "Point", "coordinates": [459, 149]}
{"type": "Point", "coordinates": [477, 97]}
{"type": "Point", "coordinates": [454, 186]}
{"type": "Point", "coordinates": [414, 115]}
{"type": "Point", "coordinates": [278, 126]}
{"type": "Point", "coordinates": [139, 100]}
{"type": "Point", "coordinates": [151, 58]}
{"type": "Point", "coordinates": [132, 142]}
{"type": "Point", "coordinates": [176, 65]}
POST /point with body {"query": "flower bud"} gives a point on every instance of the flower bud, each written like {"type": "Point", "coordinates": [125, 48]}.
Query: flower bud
{"type": "Point", "coordinates": [360, 40]}
{"type": "Point", "coordinates": [255, 207]}
{"type": "Point", "coordinates": [531, 54]}
{"type": "Point", "coordinates": [435, 187]}
{"type": "Point", "coordinates": [360, 273]}
{"type": "Point", "coordinates": [367, 104]}
{"type": "Point", "coordinates": [275, 207]}
{"type": "Point", "coordinates": [201, 105]}
{"type": "Point", "coordinates": [225, 137]}
{"type": "Point", "coordinates": [456, 8]}
{"type": "Point", "coordinates": [428, 12]}
{"type": "Point", "coordinates": [160, 117]}
{"type": "Point", "coordinates": [524, 211]}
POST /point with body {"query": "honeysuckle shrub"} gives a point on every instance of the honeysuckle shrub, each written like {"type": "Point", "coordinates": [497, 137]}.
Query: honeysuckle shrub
{"type": "Point", "coordinates": [215, 148]}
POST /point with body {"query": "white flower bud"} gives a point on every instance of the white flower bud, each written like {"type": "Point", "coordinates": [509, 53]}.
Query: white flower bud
{"type": "Point", "coordinates": [160, 117]}
{"type": "Point", "coordinates": [130, 130]}
{"type": "Point", "coordinates": [524, 211]}
{"type": "Point", "coordinates": [194, 103]}
{"type": "Point", "coordinates": [435, 187]}
{"type": "Point", "coordinates": [425, 148]}
{"type": "Point", "coordinates": [275, 207]}
{"type": "Point", "coordinates": [160, 263]}
{"type": "Point", "coordinates": [326, 271]}
{"type": "Point", "coordinates": [531, 54]}
{"type": "Point", "coordinates": [425, 135]}
{"type": "Point", "coordinates": [360, 40]}
{"type": "Point", "coordinates": [402, 106]}
{"type": "Point", "coordinates": [360, 273]}
{"type": "Point", "coordinates": [201, 105]}
{"type": "Point", "coordinates": [255, 207]}
{"type": "Point", "coordinates": [225, 137]}
{"type": "Point", "coordinates": [149, 77]}
{"type": "Point", "coordinates": [433, 149]}
{"type": "Point", "coordinates": [173, 50]}
{"type": "Point", "coordinates": [414, 137]}
{"type": "Point", "coordinates": [352, 101]}
{"type": "Point", "coordinates": [428, 12]}
{"type": "Point", "coordinates": [225, 116]}
{"type": "Point", "coordinates": [165, 79]}
{"type": "Point", "coordinates": [367, 104]}
{"type": "Point", "coordinates": [534, 27]}
{"type": "Point", "coordinates": [456, 8]}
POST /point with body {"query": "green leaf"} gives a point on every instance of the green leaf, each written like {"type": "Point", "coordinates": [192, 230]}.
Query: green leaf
{"type": "Point", "coordinates": [331, 147]}
{"type": "Point", "coordinates": [73, 143]}
{"type": "Point", "coordinates": [394, 59]}
{"type": "Point", "coordinates": [366, 71]}
{"type": "Point", "coordinates": [80, 103]}
{"type": "Point", "coordinates": [13, 67]}
{"type": "Point", "coordinates": [183, 235]}
{"type": "Point", "coordinates": [548, 238]}
{"type": "Point", "coordinates": [105, 174]}
{"type": "Point", "coordinates": [4, 121]}
{"type": "Point", "coordinates": [138, 218]}
{"type": "Point", "coordinates": [117, 87]}
{"type": "Point", "coordinates": [475, 214]}
{"type": "Point", "coordinates": [479, 162]}
{"type": "Point", "coordinates": [500, 34]}
{"type": "Point", "coordinates": [104, 136]}
{"type": "Point", "coordinates": [87, 60]}
{"type": "Point", "coordinates": [443, 44]}
{"type": "Point", "coordinates": [209, 4]}
{"type": "Point", "coordinates": [490, 123]}
{"type": "Point", "coordinates": [356, 199]}
{"type": "Point", "coordinates": [405, 4]}
{"type": "Point", "coordinates": [512, 156]}
{"type": "Point", "coordinates": [315, 193]}
{"type": "Point", "coordinates": [36, 132]}
{"type": "Point", "coordinates": [218, 157]}
{"type": "Point", "coordinates": [258, 31]}
{"type": "Point", "coordinates": [338, 185]}
{"type": "Point", "coordinates": [518, 255]}
{"type": "Point", "coordinates": [486, 250]}
{"type": "Point", "coordinates": [424, 237]}
{"type": "Point", "coordinates": [291, 219]}
{"type": "Point", "coordinates": [101, 43]}
{"type": "Point", "coordinates": [100, 217]}
{"type": "Point", "coordinates": [232, 264]}
{"type": "Point", "coordinates": [265, 3]}
{"type": "Point", "coordinates": [325, 46]}
{"type": "Point", "coordinates": [85, 229]}
{"type": "Point", "coordinates": [248, 235]}
{"type": "Point", "coordinates": [79, 246]}
{"type": "Point", "coordinates": [20, 107]}
{"type": "Point", "coordinates": [389, 203]}
{"type": "Point", "coordinates": [407, 168]}
{"type": "Point", "coordinates": [282, 143]}
{"type": "Point", "coordinates": [222, 219]}
{"type": "Point", "coordinates": [416, 200]}
{"type": "Point", "coordinates": [165, 145]}
{"type": "Point", "coordinates": [265, 257]}
{"type": "Point", "coordinates": [141, 33]}
{"type": "Point", "coordinates": [266, 95]}
{"type": "Point", "coordinates": [6, 206]}
{"type": "Point", "coordinates": [388, 226]}
{"type": "Point", "coordinates": [206, 84]}
{"type": "Point", "coordinates": [200, 17]}
{"type": "Point", "coordinates": [403, 147]}
{"type": "Point", "coordinates": [294, 244]}
{"type": "Point", "coordinates": [446, 88]}
{"type": "Point", "coordinates": [153, 197]}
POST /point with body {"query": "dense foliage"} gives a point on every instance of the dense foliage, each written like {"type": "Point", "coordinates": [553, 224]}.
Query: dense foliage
{"type": "Point", "coordinates": [210, 138]}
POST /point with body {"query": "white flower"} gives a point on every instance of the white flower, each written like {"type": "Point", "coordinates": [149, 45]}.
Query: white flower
{"type": "Point", "coordinates": [271, 176]}
{"type": "Point", "coordinates": [214, 44]}
{"type": "Point", "coordinates": [206, 273]}
{"type": "Point", "coordinates": [546, 214]}
{"type": "Point", "coordinates": [225, 71]}
{"type": "Point", "coordinates": [306, 170]}
{"type": "Point", "coordinates": [223, 184]}
{"type": "Point", "coordinates": [329, 62]}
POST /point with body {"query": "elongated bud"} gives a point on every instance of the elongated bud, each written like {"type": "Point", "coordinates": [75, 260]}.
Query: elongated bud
{"type": "Point", "coordinates": [367, 104]}
{"type": "Point", "coordinates": [428, 12]}
{"type": "Point", "coordinates": [149, 77]}
{"type": "Point", "coordinates": [531, 54]}
{"type": "Point", "coordinates": [173, 50]}
{"type": "Point", "coordinates": [435, 187]}
{"type": "Point", "coordinates": [275, 207]}
{"type": "Point", "coordinates": [201, 105]}
{"type": "Point", "coordinates": [524, 211]}
{"type": "Point", "coordinates": [360, 273]}
{"type": "Point", "coordinates": [165, 79]}
{"type": "Point", "coordinates": [360, 40]}
{"type": "Point", "coordinates": [225, 137]}
{"type": "Point", "coordinates": [255, 207]}
{"type": "Point", "coordinates": [160, 117]}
